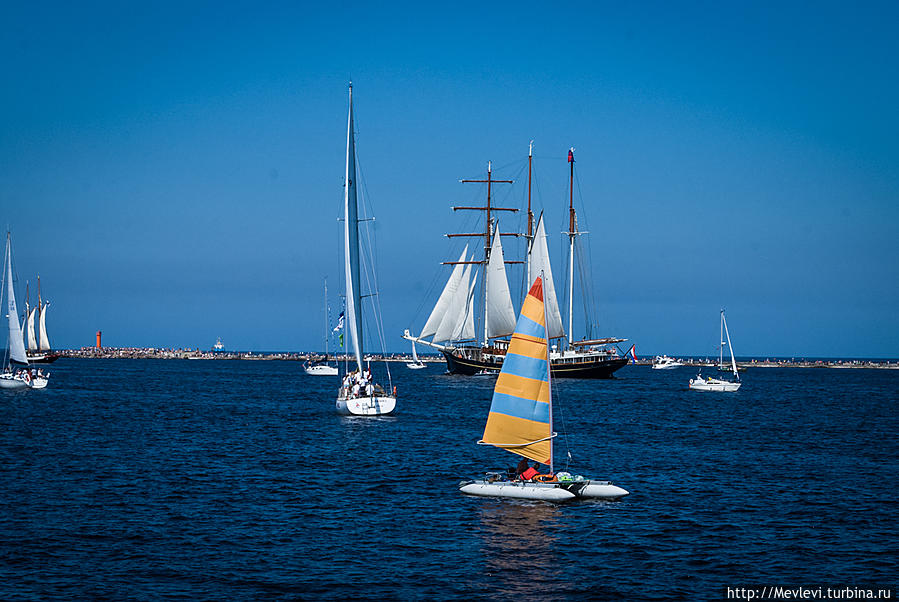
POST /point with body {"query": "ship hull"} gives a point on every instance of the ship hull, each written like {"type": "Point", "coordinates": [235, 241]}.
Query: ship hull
{"type": "Point", "coordinates": [42, 358]}
{"type": "Point", "coordinates": [603, 367]}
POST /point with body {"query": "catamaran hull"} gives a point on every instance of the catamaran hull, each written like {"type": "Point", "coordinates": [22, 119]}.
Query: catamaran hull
{"type": "Point", "coordinates": [723, 386]}
{"type": "Point", "coordinates": [551, 492]}
{"type": "Point", "coordinates": [599, 368]}
{"type": "Point", "coordinates": [378, 405]}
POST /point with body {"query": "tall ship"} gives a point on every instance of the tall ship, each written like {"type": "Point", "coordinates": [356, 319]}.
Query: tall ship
{"type": "Point", "coordinates": [451, 325]}
{"type": "Point", "coordinates": [38, 350]}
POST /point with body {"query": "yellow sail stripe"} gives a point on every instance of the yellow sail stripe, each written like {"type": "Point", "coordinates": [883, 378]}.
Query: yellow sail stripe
{"type": "Point", "coordinates": [519, 386]}
{"type": "Point", "coordinates": [533, 308]}
{"type": "Point", "coordinates": [503, 429]}
{"type": "Point", "coordinates": [534, 349]}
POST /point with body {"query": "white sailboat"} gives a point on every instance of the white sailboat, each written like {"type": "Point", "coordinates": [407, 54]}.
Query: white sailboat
{"type": "Point", "coordinates": [521, 419]}
{"type": "Point", "coordinates": [719, 384]}
{"type": "Point", "coordinates": [323, 368]}
{"type": "Point", "coordinates": [359, 395]}
{"type": "Point", "coordinates": [415, 364]}
{"type": "Point", "coordinates": [20, 378]}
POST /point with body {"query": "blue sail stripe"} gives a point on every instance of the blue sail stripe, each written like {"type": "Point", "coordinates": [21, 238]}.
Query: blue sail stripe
{"type": "Point", "coordinates": [526, 409]}
{"type": "Point", "coordinates": [521, 365]}
{"type": "Point", "coordinates": [527, 326]}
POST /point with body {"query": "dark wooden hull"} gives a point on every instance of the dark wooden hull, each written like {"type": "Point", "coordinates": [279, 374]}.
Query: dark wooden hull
{"type": "Point", "coordinates": [49, 358]}
{"type": "Point", "coordinates": [603, 367]}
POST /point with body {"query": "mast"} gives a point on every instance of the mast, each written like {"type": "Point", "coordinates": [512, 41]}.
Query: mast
{"type": "Point", "coordinates": [327, 319]}
{"type": "Point", "coordinates": [40, 311]}
{"type": "Point", "coordinates": [572, 233]}
{"type": "Point", "coordinates": [351, 241]}
{"type": "Point", "coordinates": [549, 377]}
{"type": "Point", "coordinates": [530, 234]}
{"type": "Point", "coordinates": [733, 362]}
{"type": "Point", "coordinates": [488, 229]}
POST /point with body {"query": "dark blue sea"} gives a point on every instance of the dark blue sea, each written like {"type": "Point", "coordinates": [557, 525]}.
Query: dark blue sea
{"type": "Point", "coordinates": [236, 480]}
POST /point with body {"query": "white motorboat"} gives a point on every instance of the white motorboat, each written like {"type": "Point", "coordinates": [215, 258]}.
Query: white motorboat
{"type": "Point", "coordinates": [719, 384]}
{"type": "Point", "coordinates": [21, 378]}
{"type": "Point", "coordinates": [359, 395]}
{"type": "Point", "coordinates": [520, 419]}
{"type": "Point", "coordinates": [663, 362]}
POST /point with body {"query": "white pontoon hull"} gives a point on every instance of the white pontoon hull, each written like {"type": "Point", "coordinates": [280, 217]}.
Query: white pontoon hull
{"type": "Point", "coordinates": [552, 492]}
{"type": "Point", "coordinates": [713, 384]}
{"type": "Point", "coordinates": [376, 405]}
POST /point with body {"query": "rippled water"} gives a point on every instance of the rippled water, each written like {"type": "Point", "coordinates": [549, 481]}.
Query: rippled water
{"type": "Point", "coordinates": [237, 480]}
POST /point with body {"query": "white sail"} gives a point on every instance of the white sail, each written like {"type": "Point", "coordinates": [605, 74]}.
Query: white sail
{"type": "Point", "coordinates": [351, 244]}
{"type": "Point", "coordinates": [500, 312]}
{"type": "Point", "coordinates": [414, 354]}
{"type": "Point", "coordinates": [539, 262]}
{"type": "Point", "coordinates": [29, 330]}
{"type": "Point", "coordinates": [16, 342]}
{"type": "Point", "coordinates": [733, 362]}
{"type": "Point", "coordinates": [455, 311]}
{"type": "Point", "coordinates": [443, 302]}
{"type": "Point", "coordinates": [465, 329]}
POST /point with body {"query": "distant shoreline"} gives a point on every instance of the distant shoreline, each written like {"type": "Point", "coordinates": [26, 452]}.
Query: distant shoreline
{"type": "Point", "coordinates": [195, 354]}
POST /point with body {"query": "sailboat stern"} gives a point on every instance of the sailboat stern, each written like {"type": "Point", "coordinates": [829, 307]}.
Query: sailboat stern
{"type": "Point", "coordinates": [376, 405]}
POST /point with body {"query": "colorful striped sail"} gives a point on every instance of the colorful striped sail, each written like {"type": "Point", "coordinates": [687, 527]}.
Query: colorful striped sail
{"type": "Point", "coordinates": [520, 419]}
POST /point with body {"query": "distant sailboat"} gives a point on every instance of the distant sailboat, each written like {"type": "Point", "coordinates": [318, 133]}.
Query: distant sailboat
{"type": "Point", "coordinates": [39, 349]}
{"type": "Point", "coordinates": [359, 395]}
{"type": "Point", "coordinates": [521, 419]}
{"type": "Point", "coordinates": [415, 364]}
{"type": "Point", "coordinates": [719, 384]}
{"type": "Point", "coordinates": [21, 378]}
{"type": "Point", "coordinates": [323, 368]}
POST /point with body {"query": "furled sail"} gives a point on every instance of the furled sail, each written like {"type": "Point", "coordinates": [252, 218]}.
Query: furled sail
{"type": "Point", "coordinates": [500, 312]}
{"type": "Point", "coordinates": [29, 331]}
{"type": "Point", "coordinates": [539, 262]}
{"type": "Point", "coordinates": [520, 419]}
{"type": "Point", "coordinates": [45, 341]}
{"type": "Point", "coordinates": [455, 311]}
{"type": "Point", "coordinates": [443, 302]}
{"type": "Point", "coordinates": [351, 244]}
{"type": "Point", "coordinates": [16, 342]}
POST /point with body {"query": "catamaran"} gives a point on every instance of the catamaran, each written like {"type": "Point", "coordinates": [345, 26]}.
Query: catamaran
{"type": "Point", "coordinates": [521, 419]}
{"type": "Point", "coordinates": [451, 324]}
{"type": "Point", "coordinates": [359, 395]}
{"type": "Point", "coordinates": [719, 384]}
{"type": "Point", "coordinates": [323, 368]}
{"type": "Point", "coordinates": [20, 377]}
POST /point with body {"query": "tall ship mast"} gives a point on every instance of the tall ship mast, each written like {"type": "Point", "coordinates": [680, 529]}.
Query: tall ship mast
{"type": "Point", "coordinates": [450, 326]}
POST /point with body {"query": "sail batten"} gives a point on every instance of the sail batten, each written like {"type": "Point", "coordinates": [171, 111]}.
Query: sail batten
{"type": "Point", "coordinates": [520, 419]}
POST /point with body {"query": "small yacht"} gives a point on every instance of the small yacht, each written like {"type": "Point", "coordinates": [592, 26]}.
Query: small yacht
{"type": "Point", "coordinates": [719, 384]}
{"type": "Point", "coordinates": [663, 362]}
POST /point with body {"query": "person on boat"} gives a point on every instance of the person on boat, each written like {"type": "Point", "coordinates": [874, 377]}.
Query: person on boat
{"type": "Point", "coordinates": [522, 466]}
{"type": "Point", "coordinates": [530, 473]}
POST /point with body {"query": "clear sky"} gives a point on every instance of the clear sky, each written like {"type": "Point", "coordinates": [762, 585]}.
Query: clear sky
{"type": "Point", "coordinates": [174, 172]}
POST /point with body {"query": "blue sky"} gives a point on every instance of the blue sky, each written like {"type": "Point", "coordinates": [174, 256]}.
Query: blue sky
{"type": "Point", "coordinates": [174, 171]}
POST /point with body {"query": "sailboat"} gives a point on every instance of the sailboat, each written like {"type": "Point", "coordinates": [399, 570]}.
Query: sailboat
{"type": "Point", "coordinates": [359, 395]}
{"type": "Point", "coordinates": [521, 418]}
{"type": "Point", "coordinates": [448, 324]}
{"type": "Point", "coordinates": [39, 350]}
{"type": "Point", "coordinates": [323, 368]}
{"type": "Point", "coordinates": [719, 384]}
{"type": "Point", "coordinates": [415, 364]}
{"type": "Point", "coordinates": [21, 378]}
